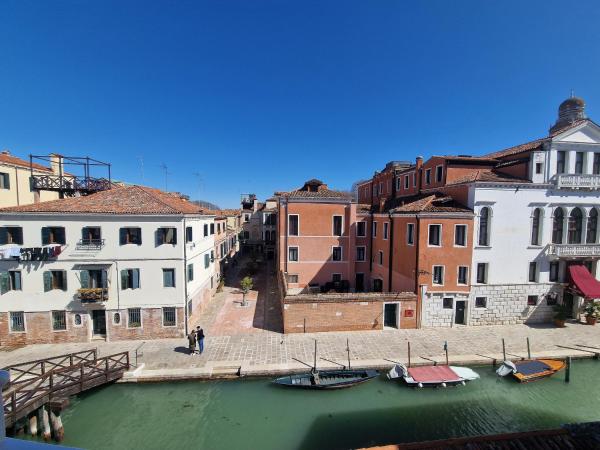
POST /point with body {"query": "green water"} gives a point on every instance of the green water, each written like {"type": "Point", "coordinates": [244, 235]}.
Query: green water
{"type": "Point", "coordinates": [253, 414]}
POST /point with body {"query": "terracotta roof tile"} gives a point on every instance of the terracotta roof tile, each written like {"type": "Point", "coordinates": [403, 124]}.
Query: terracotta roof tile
{"type": "Point", "coordinates": [489, 176]}
{"type": "Point", "coordinates": [7, 158]}
{"type": "Point", "coordinates": [119, 200]}
{"type": "Point", "coordinates": [436, 202]}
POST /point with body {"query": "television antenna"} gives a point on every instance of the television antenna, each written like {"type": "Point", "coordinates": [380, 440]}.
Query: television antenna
{"type": "Point", "coordinates": [165, 169]}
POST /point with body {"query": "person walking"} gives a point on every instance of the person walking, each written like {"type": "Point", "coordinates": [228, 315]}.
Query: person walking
{"type": "Point", "coordinates": [200, 339]}
{"type": "Point", "coordinates": [192, 342]}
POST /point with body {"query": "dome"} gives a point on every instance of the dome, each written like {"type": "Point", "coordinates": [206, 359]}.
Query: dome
{"type": "Point", "coordinates": [570, 111]}
{"type": "Point", "coordinates": [572, 102]}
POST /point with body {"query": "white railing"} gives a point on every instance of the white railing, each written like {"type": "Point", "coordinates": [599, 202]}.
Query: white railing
{"type": "Point", "coordinates": [562, 250]}
{"type": "Point", "coordinates": [578, 181]}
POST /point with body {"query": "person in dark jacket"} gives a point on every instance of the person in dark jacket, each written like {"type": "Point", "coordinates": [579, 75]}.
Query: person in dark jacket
{"type": "Point", "coordinates": [192, 342]}
{"type": "Point", "coordinates": [200, 339]}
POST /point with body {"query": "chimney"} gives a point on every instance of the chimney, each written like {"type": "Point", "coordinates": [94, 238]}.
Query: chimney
{"type": "Point", "coordinates": [56, 164]}
{"type": "Point", "coordinates": [6, 152]}
{"type": "Point", "coordinates": [419, 162]}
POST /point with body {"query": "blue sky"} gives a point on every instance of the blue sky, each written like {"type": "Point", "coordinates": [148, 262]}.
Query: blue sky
{"type": "Point", "coordinates": [258, 96]}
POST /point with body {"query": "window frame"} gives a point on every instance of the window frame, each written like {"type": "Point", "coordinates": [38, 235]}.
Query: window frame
{"type": "Point", "coordinates": [163, 311]}
{"type": "Point", "coordinates": [140, 324]}
{"type": "Point", "coordinates": [290, 247]}
{"type": "Point", "coordinates": [380, 257]}
{"type": "Point", "coordinates": [485, 266]}
{"type": "Point", "coordinates": [171, 269]}
{"type": "Point", "coordinates": [52, 314]}
{"type": "Point", "coordinates": [297, 216]}
{"type": "Point", "coordinates": [484, 302]}
{"type": "Point", "coordinates": [439, 173]}
{"type": "Point", "coordinates": [333, 227]}
{"type": "Point", "coordinates": [386, 230]}
{"type": "Point", "coordinates": [466, 282]}
{"type": "Point", "coordinates": [364, 226]}
{"type": "Point", "coordinates": [433, 269]}
{"type": "Point", "coordinates": [127, 234]}
{"type": "Point", "coordinates": [428, 176]}
{"type": "Point", "coordinates": [333, 247]}
{"type": "Point", "coordinates": [364, 253]}
{"type": "Point", "coordinates": [10, 322]}
{"type": "Point", "coordinates": [451, 307]}
{"type": "Point", "coordinates": [410, 233]}
{"type": "Point", "coordinates": [429, 235]}
{"type": "Point", "coordinates": [465, 235]}
{"type": "Point", "coordinates": [374, 229]}
{"type": "Point", "coordinates": [487, 236]}
{"type": "Point", "coordinates": [533, 272]}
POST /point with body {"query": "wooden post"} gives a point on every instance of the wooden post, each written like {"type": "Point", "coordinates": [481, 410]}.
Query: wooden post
{"type": "Point", "coordinates": [57, 426]}
{"type": "Point", "coordinates": [305, 324]}
{"type": "Point", "coordinates": [315, 365]}
{"type": "Point", "coordinates": [503, 350]}
{"type": "Point", "coordinates": [348, 350]}
{"type": "Point", "coordinates": [408, 353]}
{"type": "Point", "coordinates": [568, 370]}
{"type": "Point", "coordinates": [528, 349]}
{"type": "Point", "coordinates": [33, 427]}
{"type": "Point", "coordinates": [46, 434]}
{"type": "Point", "coordinates": [446, 350]}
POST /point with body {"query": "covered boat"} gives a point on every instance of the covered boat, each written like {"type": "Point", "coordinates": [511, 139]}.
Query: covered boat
{"type": "Point", "coordinates": [530, 369]}
{"type": "Point", "coordinates": [327, 379]}
{"type": "Point", "coordinates": [432, 376]}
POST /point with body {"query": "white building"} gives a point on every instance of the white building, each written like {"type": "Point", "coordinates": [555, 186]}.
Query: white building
{"type": "Point", "coordinates": [134, 263]}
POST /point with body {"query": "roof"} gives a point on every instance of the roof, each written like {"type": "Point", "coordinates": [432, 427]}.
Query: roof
{"type": "Point", "coordinates": [363, 208]}
{"type": "Point", "coordinates": [323, 193]}
{"type": "Point", "coordinates": [436, 202]}
{"type": "Point", "coordinates": [465, 158]}
{"type": "Point", "coordinates": [7, 158]}
{"type": "Point", "coordinates": [132, 199]}
{"type": "Point", "coordinates": [487, 176]}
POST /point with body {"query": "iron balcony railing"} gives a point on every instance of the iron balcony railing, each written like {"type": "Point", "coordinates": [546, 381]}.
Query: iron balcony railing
{"type": "Point", "coordinates": [90, 244]}
{"type": "Point", "coordinates": [574, 250]}
{"type": "Point", "coordinates": [578, 181]}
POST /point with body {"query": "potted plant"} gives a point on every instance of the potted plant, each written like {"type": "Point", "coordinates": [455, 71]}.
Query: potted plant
{"type": "Point", "coordinates": [561, 312]}
{"type": "Point", "coordinates": [246, 284]}
{"type": "Point", "coordinates": [591, 310]}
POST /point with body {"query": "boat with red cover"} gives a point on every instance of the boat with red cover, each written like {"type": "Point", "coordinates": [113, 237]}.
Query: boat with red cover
{"type": "Point", "coordinates": [432, 376]}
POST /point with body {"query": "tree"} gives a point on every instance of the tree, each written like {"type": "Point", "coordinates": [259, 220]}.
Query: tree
{"type": "Point", "coordinates": [246, 285]}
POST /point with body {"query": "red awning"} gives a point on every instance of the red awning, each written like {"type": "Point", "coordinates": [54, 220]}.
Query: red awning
{"type": "Point", "coordinates": [585, 281]}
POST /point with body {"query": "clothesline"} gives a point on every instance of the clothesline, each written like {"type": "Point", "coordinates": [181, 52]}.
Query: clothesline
{"type": "Point", "coordinates": [31, 253]}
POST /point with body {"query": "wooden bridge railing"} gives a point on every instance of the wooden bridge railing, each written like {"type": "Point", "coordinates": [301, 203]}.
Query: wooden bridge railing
{"type": "Point", "coordinates": [25, 372]}
{"type": "Point", "coordinates": [61, 382]}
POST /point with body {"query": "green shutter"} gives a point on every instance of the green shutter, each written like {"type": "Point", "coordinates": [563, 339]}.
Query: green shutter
{"type": "Point", "coordinates": [45, 235]}
{"type": "Point", "coordinates": [139, 242]}
{"type": "Point", "coordinates": [47, 281]}
{"type": "Point", "coordinates": [18, 235]}
{"type": "Point", "coordinates": [17, 279]}
{"type": "Point", "coordinates": [104, 279]}
{"type": "Point", "coordinates": [85, 279]}
{"type": "Point", "coordinates": [60, 236]}
{"type": "Point", "coordinates": [64, 279]}
{"type": "Point", "coordinates": [124, 279]}
{"type": "Point", "coordinates": [122, 236]}
{"type": "Point", "coordinates": [4, 282]}
{"type": "Point", "coordinates": [3, 236]}
{"type": "Point", "coordinates": [135, 283]}
{"type": "Point", "coordinates": [159, 237]}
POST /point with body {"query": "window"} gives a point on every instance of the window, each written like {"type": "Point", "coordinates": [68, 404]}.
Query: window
{"type": "Point", "coordinates": [386, 227]}
{"type": "Point", "coordinates": [361, 229]}
{"type": "Point", "coordinates": [484, 226]}
{"type": "Point", "coordinates": [533, 272]}
{"type": "Point", "coordinates": [77, 320]}
{"type": "Point", "coordinates": [11, 235]}
{"type": "Point", "coordinates": [578, 162]}
{"type": "Point", "coordinates": [460, 235]}
{"type": "Point", "coordinates": [428, 176]}
{"type": "Point", "coordinates": [4, 180]}
{"type": "Point", "coordinates": [169, 277]}
{"type": "Point", "coordinates": [560, 162]}
{"type": "Point", "coordinates": [482, 269]}
{"type": "Point", "coordinates": [10, 281]}
{"type": "Point", "coordinates": [360, 253]}
{"type": "Point", "coordinates": [134, 318]}
{"type": "Point", "coordinates": [380, 258]}
{"type": "Point", "coordinates": [206, 260]}
{"type": "Point", "coordinates": [91, 236]}
{"type": "Point", "coordinates": [406, 181]}
{"type": "Point", "coordinates": [166, 236]}
{"type": "Point", "coordinates": [410, 233]}
{"type": "Point", "coordinates": [438, 275]}
{"type": "Point", "coordinates": [292, 253]}
{"type": "Point", "coordinates": [189, 234]}
{"type": "Point", "coordinates": [130, 279]}
{"type": "Point", "coordinates": [293, 225]}
{"type": "Point", "coordinates": [336, 253]}
{"type": "Point", "coordinates": [414, 178]}
{"type": "Point", "coordinates": [592, 227]}
{"type": "Point", "coordinates": [292, 278]}
{"type": "Point", "coordinates": [169, 317]}
{"type": "Point", "coordinates": [380, 187]}
{"type": "Point", "coordinates": [246, 217]}
{"type": "Point", "coordinates": [374, 229]}
{"type": "Point", "coordinates": [439, 173]}
{"type": "Point", "coordinates": [205, 229]}
{"type": "Point", "coordinates": [448, 302]}
{"type": "Point", "coordinates": [575, 226]}
{"type": "Point", "coordinates": [55, 279]}
{"type": "Point", "coordinates": [535, 226]}
{"type": "Point", "coordinates": [398, 183]}
{"type": "Point", "coordinates": [532, 300]}
{"type": "Point", "coordinates": [435, 232]}
{"type": "Point", "coordinates": [337, 225]}
{"type": "Point", "coordinates": [17, 321]}
{"type": "Point", "coordinates": [53, 235]}
{"type": "Point", "coordinates": [553, 275]}
{"type": "Point", "coordinates": [59, 320]}
{"type": "Point", "coordinates": [538, 168]}
{"type": "Point", "coordinates": [190, 272]}
{"type": "Point", "coordinates": [557, 226]}
{"type": "Point", "coordinates": [480, 302]}
{"type": "Point", "coordinates": [336, 277]}
{"type": "Point", "coordinates": [463, 274]}
{"type": "Point", "coordinates": [130, 236]}
{"type": "Point", "coordinates": [212, 228]}
{"type": "Point", "coordinates": [596, 164]}
{"type": "Point", "coordinates": [218, 228]}
{"type": "Point", "coordinates": [93, 278]}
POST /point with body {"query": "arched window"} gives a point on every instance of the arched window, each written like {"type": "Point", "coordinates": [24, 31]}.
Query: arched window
{"type": "Point", "coordinates": [535, 226]}
{"type": "Point", "coordinates": [575, 226]}
{"type": "Point", "coordinates": [484, 226]}
{"type": "Point", "coordinates": [557, 226]}
{"type": "Point", "coordinates": [592, 227]}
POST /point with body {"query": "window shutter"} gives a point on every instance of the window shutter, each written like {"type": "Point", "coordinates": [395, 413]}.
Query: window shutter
{"type": "Point", "coordinates": [18, 236]}
{"type": "Point", "coordinates": [165, 278]}
{"type": "Point", "coordinates": [60, 236]}
{"type": "Point", "coordinates": [3, 236]}
{"type": "Point", "coordinates": [17, 285]}
{"type": "Point", "coordinates": [136, 279]}
{"type": "Point", "coordinates": [124, 279]}
{"type": "Point", "coordinates": [122, 236]}
{"type": "Point", "coordinates": [104, 279]}
{"type": "Point", "coordinates": [45, 235]}
{"type": "Point", "coordinates": [64, 279]}
{"type": "Point", "coordinates": [159, 236]}
{"type": "Point", "coordinates": [4, 282]}
{"type": "Point", "coordinates": [139, 237]}
{"type": "Point", "coordinates": [85, 279]}
{"type": "Point", "coordinates": [174, 236]}
{"type": "Point", "coordinates": [7, 181]}
{"type": "Point", "coordinates": [47, 281]}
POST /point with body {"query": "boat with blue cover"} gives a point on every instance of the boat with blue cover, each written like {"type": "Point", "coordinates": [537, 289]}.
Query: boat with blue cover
{"type": "Point", "coordinates": [530, 369]}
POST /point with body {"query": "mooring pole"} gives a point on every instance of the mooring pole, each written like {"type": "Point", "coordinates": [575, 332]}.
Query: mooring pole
{"type": "Point", "coordinates": [348, 350]}
{"type": "Point", "coordinates": [446, 350]}
{"type": "Point", "coordinates": [503, 350]}
{"type": "Point", "coordinates": [568, 370]}
{"type": "Point", "coordinates": [408, 353]}
{"type": "Point", "coordinates": [528, 349]}
{"type": "Point", "coordinates": [315, 366]}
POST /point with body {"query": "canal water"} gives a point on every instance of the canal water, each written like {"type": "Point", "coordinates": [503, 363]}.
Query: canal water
{"type": "Point", "coordinates": [254, 414]}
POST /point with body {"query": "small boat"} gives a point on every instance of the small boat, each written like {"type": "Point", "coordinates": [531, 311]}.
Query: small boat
{"type": "Point", "coordinates": [530, 369]}
{"type": "Point", "coordinates": [432, 376]}
{"type": "Point", "coordinates": [327, 379]}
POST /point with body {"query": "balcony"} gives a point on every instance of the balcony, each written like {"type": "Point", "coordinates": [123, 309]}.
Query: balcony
{"type": "Point", "coordinates": [574, 250]}
{"type": "Point", "coordinates": [578, 181]}
{"type": "Point", "coordinates": [93, 295]}
{"type": "Point", "coordinates": [90, 244]}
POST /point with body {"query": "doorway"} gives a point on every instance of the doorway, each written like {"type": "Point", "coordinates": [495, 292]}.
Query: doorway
{"type": "Point", "coordinates": [390, 315]}
{"type": "Point", "coordinates": [377, 285]}
{"type": "Point", "coordinates": [99, 322]}
{"type": "Point", "coordinates": [459, 317]}
{"type": "Point", "coordinates": [359, 284]}
{"type": "Point", "coordinates": [569, 301]}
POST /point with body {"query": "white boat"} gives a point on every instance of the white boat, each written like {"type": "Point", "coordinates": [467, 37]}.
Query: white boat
{"type": "Point", "coordinates": [432, 376]}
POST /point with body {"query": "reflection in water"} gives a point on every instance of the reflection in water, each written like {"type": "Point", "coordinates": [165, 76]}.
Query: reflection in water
{"type": "Point", "coordinates": [255, 414]}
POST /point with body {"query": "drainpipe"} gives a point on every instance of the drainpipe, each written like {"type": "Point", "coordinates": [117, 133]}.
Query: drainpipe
{"type": "Point", "coordinates": [185, 288]}
{"type": "Point", "coordinates": [17, 184]}
{"type": "Point", "coordinates": [417, 287]}
{"type": "Point", "coordinates": [286, 229]}
{"type": "Point", "coordinates": [391, 251]}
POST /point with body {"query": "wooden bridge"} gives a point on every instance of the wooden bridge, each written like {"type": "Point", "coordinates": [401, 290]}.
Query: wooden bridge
{"type": "Point", "coordinates": [35, 383]}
